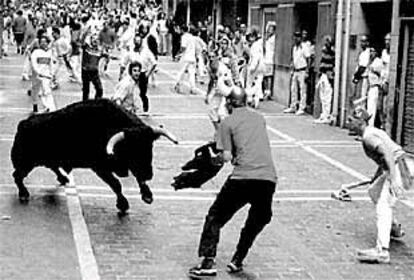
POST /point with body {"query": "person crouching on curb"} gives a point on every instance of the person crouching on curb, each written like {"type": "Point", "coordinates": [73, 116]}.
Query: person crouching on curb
{"type": "Point", "coordinates": [41, 59]}
{"type": "Point", "coordinates": [390, 183]}
{"type": "Point", "coordinates": [242, 138]}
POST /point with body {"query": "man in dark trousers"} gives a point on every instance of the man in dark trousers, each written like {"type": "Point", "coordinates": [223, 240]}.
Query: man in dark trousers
{"type": "Point", "coordinates": [91, 55]}
{"type": "Point", "coordinates": [242, 138]}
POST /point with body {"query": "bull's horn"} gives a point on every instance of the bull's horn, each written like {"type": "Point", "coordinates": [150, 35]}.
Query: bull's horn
{"type": "Point", "coordinates": [162, 131]}
{"type": "Point", "coordinates": [114, 139]}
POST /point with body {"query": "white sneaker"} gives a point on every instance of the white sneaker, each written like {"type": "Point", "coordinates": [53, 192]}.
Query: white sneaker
{"type": "Point", "coordinates": [373, 255]}
{"type": "Point", "coordinates": [289, 110]}
{"type": "Point", "coordinates": [322, 121]}
{"type": "Point", "coordinates": [299, 112]}
{"type": "Point", "coordinates": [25, 77]}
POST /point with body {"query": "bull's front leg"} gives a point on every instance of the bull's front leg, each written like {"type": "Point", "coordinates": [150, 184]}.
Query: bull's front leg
{"type": "Point", "coordinates": [19, 175]}
{"type": "Point", "coordinates": [107, 176]}
{"type": "Point", "coordinates": [146, 193]}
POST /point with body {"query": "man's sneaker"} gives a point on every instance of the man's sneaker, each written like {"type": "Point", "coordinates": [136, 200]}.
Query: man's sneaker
{"type": "Point", "coordinates": [396, 232]}
{"type": "Point", "coordinates": [234, 267]}
{"type": "Point", "coordinates": [299, 112]}
{"type": "Point", "coordinates": [289, 110]}
{"type": "Point", "coordinates": [25, 77]}
{"type": "Point", "coordinates": [206, 268]}
{"type": "Point", "coordinates": [374, 255]}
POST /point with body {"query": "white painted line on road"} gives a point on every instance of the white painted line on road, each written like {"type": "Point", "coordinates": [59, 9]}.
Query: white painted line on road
{"type": "Point", "coordinates": [163, 190]}
{"type": "Point", "coordinates": [86, 257]}
{"type": "Point", "coordinates": [326, 158]}
{"type": "Point", "coordinates": [197, 143]}
{"type": "Point", "coordinates": [281, 134]}
{"type": "Point", "coordinates": [203, 198]}
{"type": "Point", "coordinates": [336, 163]}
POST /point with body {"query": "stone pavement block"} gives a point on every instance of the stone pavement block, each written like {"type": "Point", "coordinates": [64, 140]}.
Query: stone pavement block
{"type": "Point", "coordinates": [9, 122]}
{"type": "Point", "coordinates": [298, 169]}
{"type": "Point", "coordinates": [352, 157]}
{"type": "Point", "coordinates": [273, 256]}
{"type": "Point", "coordinates": [36, 243]}
{"type": "Point", "coordinates": [302, 128]}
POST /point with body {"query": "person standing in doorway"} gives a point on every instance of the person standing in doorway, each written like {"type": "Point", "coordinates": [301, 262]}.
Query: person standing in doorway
{"type": "Point", "coordinates": [382, 101]}
{"type": "Point", "coordinates": [299, 73]}
{"type": "Point", "coordinates": [361, 72]}
{"type": "Point", "coordinates": [375, 69]}
{"type": "Point", "coordinates": [269, 59]}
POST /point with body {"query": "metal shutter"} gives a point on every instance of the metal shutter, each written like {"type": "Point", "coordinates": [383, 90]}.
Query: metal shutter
{"type": "Point", "coordinates": [408, 117]}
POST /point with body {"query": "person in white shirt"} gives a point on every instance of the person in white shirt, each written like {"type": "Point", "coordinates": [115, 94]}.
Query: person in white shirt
{"type": "Point", "coordinates": [255, 69]}
{"type": "Point", "coordinates": [269, 58]}
{"type": "Point", "coordinates": [163, 33]}
{"type": "Point", "coordinates": [201, 49]}
{"type": "Point", "coordinates": [324, 89]}
{"type": "Point", "coordinates": [382, 101]}
{"type": "Point", "coordinates": [219, 87]}
{"type": "Point", "coordinates": [148, 64]}
{"type": "Point", "coordinates": [127, 90]}
{"type": "Point", "coordinates": [300, 71]}
{"type": "Point", "coordinates": [393, 181]}
{"type": "Point", "coordinates": [375, 69]}
{"type": "Point", "coordinates": [188, 57]}
{"type": "Point", "coordinates": [42, 75]}
{"type": "Point", "coordinates": [361, 72]}
{"type": "Point", "coordinates": [61, 51]}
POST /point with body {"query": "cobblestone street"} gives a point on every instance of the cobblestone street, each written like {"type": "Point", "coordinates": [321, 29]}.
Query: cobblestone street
{"type": "Point", "coordinates": [70, 233]}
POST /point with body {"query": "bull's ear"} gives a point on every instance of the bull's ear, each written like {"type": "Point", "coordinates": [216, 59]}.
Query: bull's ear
{"type": "Point", "coordinates": [161, 131]}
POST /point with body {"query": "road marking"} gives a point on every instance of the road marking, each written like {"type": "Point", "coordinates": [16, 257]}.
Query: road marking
{"type": "Point", "coordinates": [320, 155]}
{"type": "Point", "coordinates": [86, 257]}
{"type": "Point", "coordinates": [197, 143]}
{"type": "Point", "coordinates": [163, 190]}
{"type": "Point", "coordinates": [76, 217]}
{"type": "Point", "coordinates": [201, 198]}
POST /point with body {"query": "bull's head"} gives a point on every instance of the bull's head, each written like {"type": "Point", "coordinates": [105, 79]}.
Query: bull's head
{"type": "Point", "coordinates": [135, 148]}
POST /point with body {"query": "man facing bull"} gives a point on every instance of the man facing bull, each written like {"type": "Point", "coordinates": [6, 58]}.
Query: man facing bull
{"type": "Point", "coordinates": [242, 138]}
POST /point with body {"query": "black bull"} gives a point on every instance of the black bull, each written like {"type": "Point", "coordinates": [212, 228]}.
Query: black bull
{"type": "Point", "coordinates": [78, 136]}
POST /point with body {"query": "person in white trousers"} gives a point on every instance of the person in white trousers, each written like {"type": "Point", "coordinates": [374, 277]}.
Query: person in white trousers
{"type": "Point", "coordinates": [188, 57]}
{"type": "Point", "coordinates": [391, 182]}
{"type": "Point", "coordinates": [42, 76]}
{"type": "Point", "coordinates": [375, 69]}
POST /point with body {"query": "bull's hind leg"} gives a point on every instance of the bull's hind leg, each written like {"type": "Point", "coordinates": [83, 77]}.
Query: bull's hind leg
{"type": "Point", "coordinates": [19, 175]}
{"type": "Point", "coordinates": [107, 176]}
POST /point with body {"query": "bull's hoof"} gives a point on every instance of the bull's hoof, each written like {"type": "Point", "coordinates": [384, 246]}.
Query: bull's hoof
{"type": "Point", "coordinates": [147, 198]}
{"type": "Point", "coordinates": [63, 181]}
{"type": "Point", "coordinates": [122, 214]}
{"type": "Point", "coordinates": [24, 196]}
{"type": "Point", "coordinates": [122, 204]}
